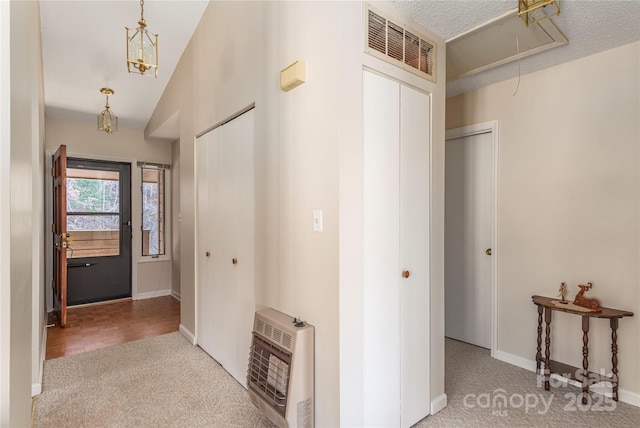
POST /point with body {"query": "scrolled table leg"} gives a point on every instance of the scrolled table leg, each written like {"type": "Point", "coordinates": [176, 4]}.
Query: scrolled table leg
{"type": "Point", "coordinates": [614, 357]}
{"type": "Point", "coordinates": [585, 358]}
{"type": "Point", "coordinates": [547, 346]}
{"type": "Point", "coordinates": [539, 348]}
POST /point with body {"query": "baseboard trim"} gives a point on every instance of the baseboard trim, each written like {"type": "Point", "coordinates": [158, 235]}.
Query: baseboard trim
{"type": "Point", "coordinates": [623, 395]}
{"type": "Point", "coordinates": [514, 360]}
{"type": "Point", "coordinates": [152, 294]}
{"type": "Point", "coordinates": [439, 403]}
{"type": "Point", "coordinates": [175, 295]}
{"type": "Point", "coordinates": [527, 364]}
{"type": "Point", "coordinates": [186, 333]}
{"type": "Point", "coordinates": [629, 397]}
{"type": "Point", "coordinates": [36, 388]}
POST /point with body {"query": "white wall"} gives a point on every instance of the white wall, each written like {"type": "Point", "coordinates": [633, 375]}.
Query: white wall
{"type": "Point", "coordinates": [5, 213]}
{"type": "Point", "coordinates": [39, 321]}
{"type": "Point", "coordinates": [21, 113]}
{"type": "Point", "coordinates": [308, 156]}
{"type": "Point", "coordinates": [127, 145]}
{"type": "Point", "coordinates": [569, 203]}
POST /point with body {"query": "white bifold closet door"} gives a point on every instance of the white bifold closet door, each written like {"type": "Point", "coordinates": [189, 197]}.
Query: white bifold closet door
{"type": "Point", "coordinates": [396, 253]}
{"type": "Point", "coordinates": [225, 225]}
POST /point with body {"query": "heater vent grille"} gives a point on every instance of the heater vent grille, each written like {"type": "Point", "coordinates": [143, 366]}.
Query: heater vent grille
{"type": "Point", "coordinates": [275, 334]}
{"type": "Point", "coordinates": [399, 45]}
{"type": "Point", "coordinates": [269, 373]}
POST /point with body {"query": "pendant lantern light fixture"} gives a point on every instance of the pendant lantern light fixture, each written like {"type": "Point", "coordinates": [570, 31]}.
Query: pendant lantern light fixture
{"type": "Point", "coordinates": [107, 121]}
{"type": "Point", "coordinates": [142, 48]}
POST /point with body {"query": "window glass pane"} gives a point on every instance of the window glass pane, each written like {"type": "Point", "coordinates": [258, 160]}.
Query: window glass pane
{"type": "Point", "coordinates": [87, 194]}
{"type": "Point", "coordinates": [93, 222]}
{"type": "Point", "coordinates": [152, 211]}
{"type": "Point", "coordinates": [93, 235]}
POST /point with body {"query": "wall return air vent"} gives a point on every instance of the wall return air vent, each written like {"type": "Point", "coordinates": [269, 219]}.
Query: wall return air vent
{"type": "Point", "coordinates": [399, 45]}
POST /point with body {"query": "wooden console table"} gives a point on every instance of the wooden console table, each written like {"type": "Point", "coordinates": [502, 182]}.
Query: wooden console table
{"type": "Point", "coordinates": [547, 305]}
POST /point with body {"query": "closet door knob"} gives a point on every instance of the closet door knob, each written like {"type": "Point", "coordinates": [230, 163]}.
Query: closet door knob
{"type": "Point", "coordinates": [207, 254]}
{"type": "Point", "coordinates": [405, 274]}
{"type": "Point", "coordinates": [488, 252]}
{"type": "Point", "coordinates": [234, 261]}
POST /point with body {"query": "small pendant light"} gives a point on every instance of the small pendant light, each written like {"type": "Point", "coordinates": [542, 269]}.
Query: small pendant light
{"type": "Point", "coordinates": [107, 121]}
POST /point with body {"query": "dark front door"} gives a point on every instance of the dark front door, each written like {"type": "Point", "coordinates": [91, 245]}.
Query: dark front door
{"type": "Point", "coordinates": [99, 222]}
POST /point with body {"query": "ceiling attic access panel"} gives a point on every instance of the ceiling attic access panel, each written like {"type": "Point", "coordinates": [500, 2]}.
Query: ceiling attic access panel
{"type": "Point", "coordinates": [498, 42]}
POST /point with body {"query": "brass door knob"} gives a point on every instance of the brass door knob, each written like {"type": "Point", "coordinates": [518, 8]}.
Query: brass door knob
{"type": "Point", "coordinates": [488, 252]}
{"type": "Point", "coordinates": [405, 274]}
{"type": "Point", "coordinates": [207, 254]}
{"type": "Point", "coordinates": [234, 261]}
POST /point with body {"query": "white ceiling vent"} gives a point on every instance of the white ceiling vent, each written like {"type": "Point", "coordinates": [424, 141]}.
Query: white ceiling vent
{"type": "Point", "coordinates": [399, 45]}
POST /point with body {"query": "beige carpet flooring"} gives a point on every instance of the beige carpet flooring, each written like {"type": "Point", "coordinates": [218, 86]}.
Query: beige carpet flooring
{"type": "Point", "coordinates": [472, 373]}
{"type": "Point", "coordinates": [162, 381]}
{"type": "Point", "coordinates": [166, 382]}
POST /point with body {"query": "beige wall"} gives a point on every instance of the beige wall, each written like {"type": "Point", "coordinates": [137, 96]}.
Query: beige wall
{"type": "Point", "coordinates": [308, 145]}
{"type": "Point", "coordinates": [233, 60]}
{"type": "Point", "coordinates": [5, 213]}
{"type": "Point", "coordinates": [127, 145]}
{"type": "Point", "coordinates": [175, 218]}
{"type": "Point", "coordinates": [568, 207]}
{"type": "Point", "coordinates": [154, 279]}
{"type": "Point", "coordinates": [82, 138]}
{"type": "Point", "coordinates": [21, 285]}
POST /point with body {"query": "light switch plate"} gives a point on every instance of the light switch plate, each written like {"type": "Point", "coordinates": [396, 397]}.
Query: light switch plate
{"type": "Point", "coordinates": [317, 220]}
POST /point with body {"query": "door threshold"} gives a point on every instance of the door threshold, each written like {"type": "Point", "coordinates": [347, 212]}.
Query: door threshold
{"type": "Point", "coordinates": [106, 302]}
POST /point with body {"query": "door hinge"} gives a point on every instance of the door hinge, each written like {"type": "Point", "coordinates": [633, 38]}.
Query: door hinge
{"type": "Point", "coordinates": [53, 228]}
{"type": "Point", "coordinates": [53, 172]}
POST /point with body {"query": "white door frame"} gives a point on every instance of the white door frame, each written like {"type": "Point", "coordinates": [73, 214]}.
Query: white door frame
{"type": "Point", "coordinates": [467, 131]}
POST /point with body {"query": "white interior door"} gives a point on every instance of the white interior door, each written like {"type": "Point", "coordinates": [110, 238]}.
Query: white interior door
{"type": "Point", "coordinates": [382, 272]}
{"type": "Point", "coordinates": [468, 234]}
{"type": "Point", "coordinates": [225, 242]}
{"type": "Point", "coordinates": [245, 238]}
{"type": "Point", "coordinates": [396, 239]}
{"type": "Point", "coordinates": [414, 255]}
{"type": "Point", "coordinates": [210, 302]}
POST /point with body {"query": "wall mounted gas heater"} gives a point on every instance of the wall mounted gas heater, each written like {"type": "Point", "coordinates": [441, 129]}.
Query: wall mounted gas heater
{"type": "Point", "coordinates": [280, 377]}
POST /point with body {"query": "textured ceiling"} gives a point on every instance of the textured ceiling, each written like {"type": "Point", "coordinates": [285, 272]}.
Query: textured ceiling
{"type": "Point", "coordinates": [591, 26]}
{"type": "Point", "coordinates": [450, 18]}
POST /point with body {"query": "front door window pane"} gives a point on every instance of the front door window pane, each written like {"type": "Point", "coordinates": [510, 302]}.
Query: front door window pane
{"type": "Point", "coordinates": [93, 213]}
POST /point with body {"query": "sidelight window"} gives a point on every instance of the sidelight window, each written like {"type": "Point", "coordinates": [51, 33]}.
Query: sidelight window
{"type": "Point", "coordinates": [153, 209]}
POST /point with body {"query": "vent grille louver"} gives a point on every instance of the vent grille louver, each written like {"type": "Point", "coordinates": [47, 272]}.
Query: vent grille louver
{"type": "Point", "coordinates": [400, 46]}
{"type": "Point", "coordinates": [275, 334]}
